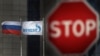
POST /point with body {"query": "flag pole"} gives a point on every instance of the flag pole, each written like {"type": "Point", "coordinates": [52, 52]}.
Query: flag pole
{"type": "Point", "coordinates": [21, 46]}
{"type": "Point", "coordinates": [21, 50]}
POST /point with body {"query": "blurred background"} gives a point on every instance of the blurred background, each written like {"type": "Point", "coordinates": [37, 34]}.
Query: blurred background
{"type": "Point", "coordinates": [12, 10]}
{"type": "Point", "coordinates": [31, 10]}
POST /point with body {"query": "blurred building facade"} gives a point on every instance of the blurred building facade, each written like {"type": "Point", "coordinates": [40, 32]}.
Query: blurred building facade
{"type": "Point", "coordinates": [12, 10]}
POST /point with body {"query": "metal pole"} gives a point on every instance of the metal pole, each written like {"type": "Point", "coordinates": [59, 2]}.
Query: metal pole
{"type": "Point", "coordinates": [43, 37]}
{"type": "Point", "coordinates": [21, 53]}
{"type": "Point", "coordinates": [21, 50]}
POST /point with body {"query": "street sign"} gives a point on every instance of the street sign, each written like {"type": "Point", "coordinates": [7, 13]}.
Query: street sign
{"type": "Point", "coordinates": [73, 27]}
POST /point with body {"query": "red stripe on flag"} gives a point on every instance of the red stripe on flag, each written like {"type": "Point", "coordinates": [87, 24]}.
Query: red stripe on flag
{"type": "Point", "coordinates": [15, 32]}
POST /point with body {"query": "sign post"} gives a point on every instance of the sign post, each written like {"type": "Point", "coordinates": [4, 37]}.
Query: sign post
{"type": "Point", "coordinates": [73, 27]}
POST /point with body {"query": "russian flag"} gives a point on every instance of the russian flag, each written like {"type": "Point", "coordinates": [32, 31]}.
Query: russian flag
{"type": "Point", "coordinates": [11, 27]}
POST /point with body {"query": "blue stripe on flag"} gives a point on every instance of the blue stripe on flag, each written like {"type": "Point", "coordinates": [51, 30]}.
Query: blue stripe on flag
{"type": "Point", "coordinates": [12, 27]}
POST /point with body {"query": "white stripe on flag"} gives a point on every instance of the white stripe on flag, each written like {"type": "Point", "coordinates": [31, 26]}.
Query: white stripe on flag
{"type": "Point", "coordinates": [11, 23]}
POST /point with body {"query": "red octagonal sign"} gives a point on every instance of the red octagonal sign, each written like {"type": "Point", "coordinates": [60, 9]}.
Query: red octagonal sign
{"type": "Point", "coordinates": [73, 27]}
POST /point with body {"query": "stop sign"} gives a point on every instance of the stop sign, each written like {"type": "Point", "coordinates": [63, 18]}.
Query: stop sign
{"type": "Point", "coordinates": [73, 27]}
